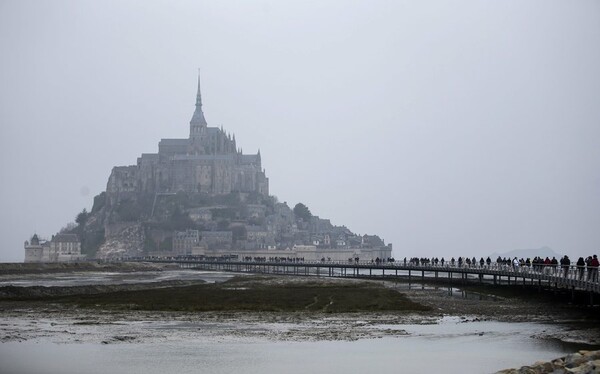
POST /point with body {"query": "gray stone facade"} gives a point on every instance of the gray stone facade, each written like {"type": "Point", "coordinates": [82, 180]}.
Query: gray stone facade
{"type": "Point", "coordinates": [208, 161]}
{"type": "Point", "coordinates": [62, 248]}
{"type": "Point", "coordinates": [185, 241]}
{"type": "Point", "coordinates": [216, 239]}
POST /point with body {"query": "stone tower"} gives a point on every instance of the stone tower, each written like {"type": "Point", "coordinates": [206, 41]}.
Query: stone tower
{"type": "Point", "coordinates": [198, 122]}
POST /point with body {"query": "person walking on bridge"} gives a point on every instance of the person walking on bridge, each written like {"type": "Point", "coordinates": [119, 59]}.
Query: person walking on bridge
{"type": "Point", "coordinates": [547, 264]}
{"type": "Point", "coordinates": [554, 263]}
{"type": "Point", "coordinates": [565, 263]}
{"type": "Point", "coordinates": [580, 267]}
{"type": "Point", "coordinates": [593, 268]}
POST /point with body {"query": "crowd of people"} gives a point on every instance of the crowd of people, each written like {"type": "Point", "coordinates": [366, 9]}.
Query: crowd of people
{"type": "Point", "coordinates": [539, 264]}
{"type": "Point", "coordinates": [583, 269]}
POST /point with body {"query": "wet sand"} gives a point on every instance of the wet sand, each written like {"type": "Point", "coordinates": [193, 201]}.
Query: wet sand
{"type": "Point", "coordinates": [32, 313]}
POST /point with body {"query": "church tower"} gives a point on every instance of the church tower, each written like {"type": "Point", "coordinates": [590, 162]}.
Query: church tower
{"type": "Point", "coordinates": [198, 123]}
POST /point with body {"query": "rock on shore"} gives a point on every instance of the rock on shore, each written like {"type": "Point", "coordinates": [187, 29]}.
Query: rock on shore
{"type": "Point", "coordinates": [582, 362]}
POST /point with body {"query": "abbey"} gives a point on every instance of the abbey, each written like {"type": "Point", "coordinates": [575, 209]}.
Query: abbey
{"type": "Point", "coordinates": [208, 161]}
{"type": "Point", "coordinates": [200, 196]}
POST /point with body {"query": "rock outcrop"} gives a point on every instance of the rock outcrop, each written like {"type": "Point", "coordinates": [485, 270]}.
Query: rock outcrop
{"type": "Point", "coordinates": [122, 239]}
{"type": "Point", "coordinates": [582, 362]}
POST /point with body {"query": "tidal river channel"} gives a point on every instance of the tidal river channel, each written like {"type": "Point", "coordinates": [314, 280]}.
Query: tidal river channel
{"type": "Point", "coordinates": [444, 344]}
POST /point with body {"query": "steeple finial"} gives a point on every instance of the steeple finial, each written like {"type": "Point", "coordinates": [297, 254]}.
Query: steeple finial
{"type": "Point", "coordinates": [199, 95]}
{"type": "Point", "coordinates": [198, 121]}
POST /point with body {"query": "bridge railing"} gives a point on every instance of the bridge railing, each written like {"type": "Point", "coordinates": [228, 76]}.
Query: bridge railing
{"type": "Point", "coordinates": [548, 272]}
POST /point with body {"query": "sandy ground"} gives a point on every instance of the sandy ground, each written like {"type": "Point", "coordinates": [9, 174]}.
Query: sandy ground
{"type": "Point", "coordinates": [25, 321]}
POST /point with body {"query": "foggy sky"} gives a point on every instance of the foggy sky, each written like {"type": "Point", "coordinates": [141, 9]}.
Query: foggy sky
{"type": "Point", "coordinates": [446, 127]}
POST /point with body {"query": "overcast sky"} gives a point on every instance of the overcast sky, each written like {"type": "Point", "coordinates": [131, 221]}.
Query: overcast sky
{"type": "Point", "coordinates": [445, 127]}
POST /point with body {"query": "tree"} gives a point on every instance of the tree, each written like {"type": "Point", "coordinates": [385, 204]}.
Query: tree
{"type": "Point", "coordinates": [69, 228]}
{"type": "Point", "coordinates": [180, 220]}
{"type": "Point", "coordinates": [302, 211]}
{"type": "Point", "coordinates": [223, 225]}
{"type": "Point", "coordinates": [82, 217]}
{"type": "Point", "coordinates": [239, 232]}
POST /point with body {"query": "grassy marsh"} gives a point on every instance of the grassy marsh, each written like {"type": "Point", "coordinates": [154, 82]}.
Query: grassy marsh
{"type": "Point", "coordinates": [258, 294]}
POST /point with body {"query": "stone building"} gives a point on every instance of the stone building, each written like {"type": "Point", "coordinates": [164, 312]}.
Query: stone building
{"type": "Point", "coordinates": [62, 248]}
{"type": "Point", "coordinates": [216, 239]}
{"type": "Point", "coordinates": [200, 214]}
{"type": "Point", "coordinates": [185, 241]}
{"type": "Point", "coordinates": [207, 161]}
{"type": "Point", "coordinates": [259, 238]}
{"type": "Point", "coordinates": [34, 249]}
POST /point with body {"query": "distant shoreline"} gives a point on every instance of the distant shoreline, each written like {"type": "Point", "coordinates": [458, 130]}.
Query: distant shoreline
{"type": "Point", "coordinates": [41, 268]}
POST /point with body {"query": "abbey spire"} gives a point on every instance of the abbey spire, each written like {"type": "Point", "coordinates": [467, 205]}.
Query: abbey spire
{"type": "Point", "coordinates": [199, 94]}
{"type": "Point", "coordinates": [198, 121]}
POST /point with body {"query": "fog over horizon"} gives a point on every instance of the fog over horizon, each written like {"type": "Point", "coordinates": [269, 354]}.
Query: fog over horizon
{"type": "Point", "coordinates": [447, 128]}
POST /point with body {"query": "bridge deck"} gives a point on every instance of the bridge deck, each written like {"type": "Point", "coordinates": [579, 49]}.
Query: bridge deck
{"type": "Point", "coordinates": [573, 278]}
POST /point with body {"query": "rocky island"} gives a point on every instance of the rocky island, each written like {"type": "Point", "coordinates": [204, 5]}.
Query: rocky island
{"type": "Point", "coordinates": [200, 196]}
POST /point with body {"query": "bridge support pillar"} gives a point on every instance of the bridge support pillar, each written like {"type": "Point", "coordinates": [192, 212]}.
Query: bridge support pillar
{"type": "Point", "coordinates": [495, 279]}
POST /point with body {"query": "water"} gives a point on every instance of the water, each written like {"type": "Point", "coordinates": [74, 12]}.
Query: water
{"type": "Point", "coordinates": [447, 347]}
{"type": "Point", "coordinates": [108, 278]}
{"type": "Point", "coordinates": [171, 346]}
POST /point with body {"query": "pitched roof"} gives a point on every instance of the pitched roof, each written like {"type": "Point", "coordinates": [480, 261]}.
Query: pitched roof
{"type": "Point", "coordinates": [179, 142]}
{"type": "Point", "coordinates": [65, 238]}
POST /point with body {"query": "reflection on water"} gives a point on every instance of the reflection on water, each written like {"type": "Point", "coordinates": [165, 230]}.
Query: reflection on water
{"type": "Point", "coordinates": [450, 290]}
{"type": "Point", "coordinates": [449, 347]}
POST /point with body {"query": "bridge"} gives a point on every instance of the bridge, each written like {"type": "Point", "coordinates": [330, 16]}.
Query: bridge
{"type": "Point", "coordinates": [571, 278]}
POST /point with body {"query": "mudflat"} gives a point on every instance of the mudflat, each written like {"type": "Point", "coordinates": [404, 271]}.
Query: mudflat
{"type": "Point", "coordinates": [296, 308]}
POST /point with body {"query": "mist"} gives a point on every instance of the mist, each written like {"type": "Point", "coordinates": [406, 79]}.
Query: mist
{"type": "Point", "coordinates": [448, 128]}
